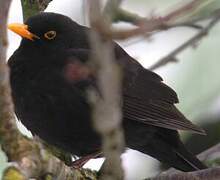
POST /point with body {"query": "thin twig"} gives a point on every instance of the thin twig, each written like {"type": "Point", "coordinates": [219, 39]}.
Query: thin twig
{"type": "Point", "coordinates": [182, 10]}
{"type": "Point", "coordinates": [171, 57]}
{"type": "Point", "coordinates": [147, 26]}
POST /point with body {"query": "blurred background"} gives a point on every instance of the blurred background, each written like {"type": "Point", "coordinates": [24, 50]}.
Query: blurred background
{"type": "Point", "coordinates": [195, 78]}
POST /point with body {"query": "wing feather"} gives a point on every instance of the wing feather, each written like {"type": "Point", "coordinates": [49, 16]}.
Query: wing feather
{"type": "Point", "coordinates": [146, 98]}
{"type": "Point", "coordinates": [150, 101]}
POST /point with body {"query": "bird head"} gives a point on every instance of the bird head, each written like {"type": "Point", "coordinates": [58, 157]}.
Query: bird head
{"type": "Point", "coordinates": [50, 31]}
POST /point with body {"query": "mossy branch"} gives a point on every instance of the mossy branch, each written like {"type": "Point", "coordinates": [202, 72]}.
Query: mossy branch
{"type": "Point", "coordinates": [32, 7]}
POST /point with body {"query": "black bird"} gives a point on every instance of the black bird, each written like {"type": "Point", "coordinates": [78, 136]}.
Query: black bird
{"type": "Point", "coordinates": [50, 76]}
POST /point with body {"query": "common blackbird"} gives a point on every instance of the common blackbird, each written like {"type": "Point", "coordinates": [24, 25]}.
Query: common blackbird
{"type": "Point", "coordinates": [50, 76]}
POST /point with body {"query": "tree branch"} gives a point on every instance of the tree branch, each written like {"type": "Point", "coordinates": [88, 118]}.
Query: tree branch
{"type": "Point", "coordinates": [107, 108]}
{"type": "Point", "coordinates": [171, 57]}
{"type": "Point", "coordinates": [146, 25]}
{"type": "Point", "coordinates": [209, 156]}
{"type": "Point", "coordinates": [206, 174]}
{"type": "Point", "coordinates": [32, 7]}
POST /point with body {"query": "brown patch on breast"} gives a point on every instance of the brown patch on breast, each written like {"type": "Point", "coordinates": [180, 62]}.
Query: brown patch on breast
{"type": "Point", "coordinates": [76, 71]}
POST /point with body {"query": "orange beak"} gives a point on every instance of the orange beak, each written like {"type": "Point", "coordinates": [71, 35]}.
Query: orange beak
{"type": "Point", "coordinates": [22, 30]}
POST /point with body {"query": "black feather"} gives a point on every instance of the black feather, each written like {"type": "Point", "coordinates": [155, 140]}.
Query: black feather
{"type": "Point", "coordinates": [52, 103]}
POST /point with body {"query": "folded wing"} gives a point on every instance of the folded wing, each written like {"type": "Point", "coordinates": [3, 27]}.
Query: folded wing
{"type": "Point", "coordinates": [148, 100]}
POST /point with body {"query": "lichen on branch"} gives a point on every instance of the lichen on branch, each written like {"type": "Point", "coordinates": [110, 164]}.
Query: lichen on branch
{"type": "Point", "coordinates": [32, 7]}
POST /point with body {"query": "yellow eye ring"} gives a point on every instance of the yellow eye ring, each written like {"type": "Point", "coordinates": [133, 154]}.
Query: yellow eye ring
{"type": "Point", "coordinates": [50, 35]}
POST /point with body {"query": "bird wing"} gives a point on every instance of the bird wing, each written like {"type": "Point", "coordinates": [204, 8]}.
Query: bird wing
{"type": "Point", "coordinates": [146, 98]}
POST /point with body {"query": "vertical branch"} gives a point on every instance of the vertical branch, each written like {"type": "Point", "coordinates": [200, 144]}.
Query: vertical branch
{"type": "Point", "coordinates": [107, 108]}
{"type": "Point", "coordinates": [12, 142]}
{"type": "Point", "coordinates": [31, 7]}
{"type": "Point", "coordinates": [6, 107]}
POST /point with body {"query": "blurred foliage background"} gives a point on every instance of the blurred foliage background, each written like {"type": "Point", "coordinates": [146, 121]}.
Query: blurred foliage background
{"type": "Point", "coordinates": [195, 78]}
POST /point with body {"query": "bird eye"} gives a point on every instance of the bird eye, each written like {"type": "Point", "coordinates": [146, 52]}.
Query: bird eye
{"type": "Point", "coordinates": [50, 35]}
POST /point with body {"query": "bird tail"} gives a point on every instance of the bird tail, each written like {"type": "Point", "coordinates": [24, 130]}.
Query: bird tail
{"type": "Point", "coordinates": [178, 157]}
{"type": "Point", "coordinates": [189, 161]}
